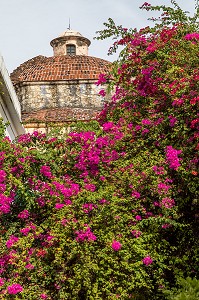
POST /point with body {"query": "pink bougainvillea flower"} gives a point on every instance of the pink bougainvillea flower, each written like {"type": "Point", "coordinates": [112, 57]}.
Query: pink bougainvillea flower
{"type": "Point", "coordinates": [87, 207]}
{"type": "Point", "coordinates": [2, 176]}
{"type": "Point", "coordinates": [193, 101]}
{"type": "Point", "coordinates": [59, 205]}
{"type": "Point", "coordinates": [194, 123]}
{"type": "Point", "coordinates": [107, 126]}
{"type": "Point", "coordinates": [158, 170]}
{"type": "Point", "coordinates": [64, 222]}
{"type": "Point", "coordinates": [49, 237]}
{"type": "Point", "coordinates": [168, 203]}
{"type": "Point", "coordinates": [14, 289]}
{"type": "Point", "coordinates": [41, 253]}
{"type": "Point", "coordinates": [25, 230]}
{"type": "Point", "coordinates": [136, 233]}
{"type": "Point", "coordinates": [5, 204]}
{"type": "Point", "coordinates": [116, 245]}
{"type": "Point", "coordinates": [12, 240]}
{"type": "Point", "coordinates": [29, 266]}
{"type": "Point", "coordinates": [156, 203]}
{"type": "Point", "coordinates": [145, 4]}
{"type": "Point", "coordinates": [24, 214]}
{"type": "Point", "coordinates": [172, 157]}
{"type": "Point", "coordinates": [101, 79]}
{"type": "Point", "coordinates": [166, 225]}
{"type": "Point", "coordinates": [135, 194]}
{"type": "Point", "coordinates": [1, 281]}
{"type": "Point", "coordinates": [90, 187]}
{"type": "Point", "coordinates": [138, 218]}
{"type": "Point", "coordinates": [178, 102]}
{"type": "Point", "coordinates": [102, 201]}
{"type": "Point", "coordinates": [191, 36]}
{"type": "Point", "coordinates": [67, 202]}
{"type": "Point", "coordinates": [45, 170]}
{"type": "Point", "coordinates": [102, 93]}
{"type": "Point", "coordinates": [43, 296]}
{"type": "Point", "coordinates": [85, 235]}
{"type": "Point", "coordinates": [172, 120]}
{"type": "Point", "coordinates": [2, 187]}
{"type": "Point", "coordinates": [147, 260]}
{"type": "Point", "coordinates": [137, 127]}
{"type": "Point", "coordinates": [163, 188]}
{"type": "Point", "coordinates": [146, 122]}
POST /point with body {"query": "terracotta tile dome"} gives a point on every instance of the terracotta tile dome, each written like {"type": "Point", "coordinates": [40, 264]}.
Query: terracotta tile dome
{"type": "Point", "coordinates": [64, 67]}
{"type": "Point", "coordinates": [61, 89]}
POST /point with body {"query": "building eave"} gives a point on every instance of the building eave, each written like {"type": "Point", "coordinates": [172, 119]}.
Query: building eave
{"type": "Point", "coordinates": [10, 109]}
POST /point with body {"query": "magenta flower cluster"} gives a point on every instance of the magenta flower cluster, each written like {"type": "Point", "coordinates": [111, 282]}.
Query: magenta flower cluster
{"type": "Point", "coordinates": [147, 260]}
{"type": "Point", "coordinates": [168, 203]}
{"type": "Point", "coordinates": [45, 170]}
{"type": "Point", "coordinates": [14, 289]}
{"type": "Point", "coordinates": [5, 203]}
{"type": "Point", "coordinates": [2, 176]}
{"type": "Point", "coordinates": [116, 245]}
{"type": "Point", "coordinates": [101, 80]}
{"type": "Point", "coordinates": [23, 214]}
{"type": "Point", "coordinates": [192, 36]}
{"type": "Point", "coordinates": [43, 296]}
{"type": "Point", "coordinates": [172, 157]}
{"type": "Point", "coordinates": [12, 240]}
{"type": "Point", "coordinates": [1, 281]}
{"type": "Point", "coordinates": [85, 235]}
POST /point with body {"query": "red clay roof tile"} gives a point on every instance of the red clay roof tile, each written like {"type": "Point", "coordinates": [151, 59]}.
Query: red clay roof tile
{"type": "Point", "coordinates": [65, 67]}
{"type": "Point", "coordinates": [59, 115]}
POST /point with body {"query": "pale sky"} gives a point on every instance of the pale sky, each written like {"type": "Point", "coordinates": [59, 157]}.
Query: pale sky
{"type": "Point", "coordinates": [28, 26]}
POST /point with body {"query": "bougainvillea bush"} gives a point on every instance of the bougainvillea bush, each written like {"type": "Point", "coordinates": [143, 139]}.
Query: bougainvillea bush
{"type": "Point", "coordinates": [110, 211]}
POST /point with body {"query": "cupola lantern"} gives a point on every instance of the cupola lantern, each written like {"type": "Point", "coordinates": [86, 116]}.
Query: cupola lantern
{"type": "Point", "coordinates": [70, 43]}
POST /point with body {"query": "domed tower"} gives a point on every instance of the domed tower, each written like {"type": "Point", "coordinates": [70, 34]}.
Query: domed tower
{"type": "Point", "coordinates": [70, 43]}
{"type": "Point", "coordinates": [61, 88]}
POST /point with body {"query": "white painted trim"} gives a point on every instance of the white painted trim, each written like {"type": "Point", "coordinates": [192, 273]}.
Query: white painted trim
{"type": "Point", "coordinates": [10, 109]}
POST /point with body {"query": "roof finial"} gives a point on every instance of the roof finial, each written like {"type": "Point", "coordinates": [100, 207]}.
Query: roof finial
{"type": "Point", "coordinates": [69, 25]}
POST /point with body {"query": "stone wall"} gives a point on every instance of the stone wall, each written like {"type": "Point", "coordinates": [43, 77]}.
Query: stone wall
{"type": "Point", "coordinates": [82, 94]}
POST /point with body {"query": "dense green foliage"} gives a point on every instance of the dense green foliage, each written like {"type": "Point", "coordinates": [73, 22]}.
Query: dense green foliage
{"type": "Point", "coordinates": [188, 290]}
{"type": "Point", "coordinates": [110, 211]}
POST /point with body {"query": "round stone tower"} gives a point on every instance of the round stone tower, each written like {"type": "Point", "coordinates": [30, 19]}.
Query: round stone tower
{"type": "Point", "coordinates": [70, 43]}
{"type": "Point", "coordinates": [61, 88]}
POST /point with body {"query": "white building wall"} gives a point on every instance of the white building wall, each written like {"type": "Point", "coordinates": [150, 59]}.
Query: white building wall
{"type": "Point", "coordinates": [10, 109]}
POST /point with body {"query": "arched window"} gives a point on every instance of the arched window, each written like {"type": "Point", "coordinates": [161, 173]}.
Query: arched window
{"type": "Point", "coordinates": [71, 49]}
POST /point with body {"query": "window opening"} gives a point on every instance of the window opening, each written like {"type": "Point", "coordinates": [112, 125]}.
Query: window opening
{"type": "Point", "coordinates": [71, 49]}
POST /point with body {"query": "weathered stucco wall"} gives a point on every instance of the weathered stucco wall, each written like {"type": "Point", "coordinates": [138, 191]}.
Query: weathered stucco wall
{"type": "Point", "coordinates": [59, 45]}
{"type": "Point", "coordinates": [73, 94]}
